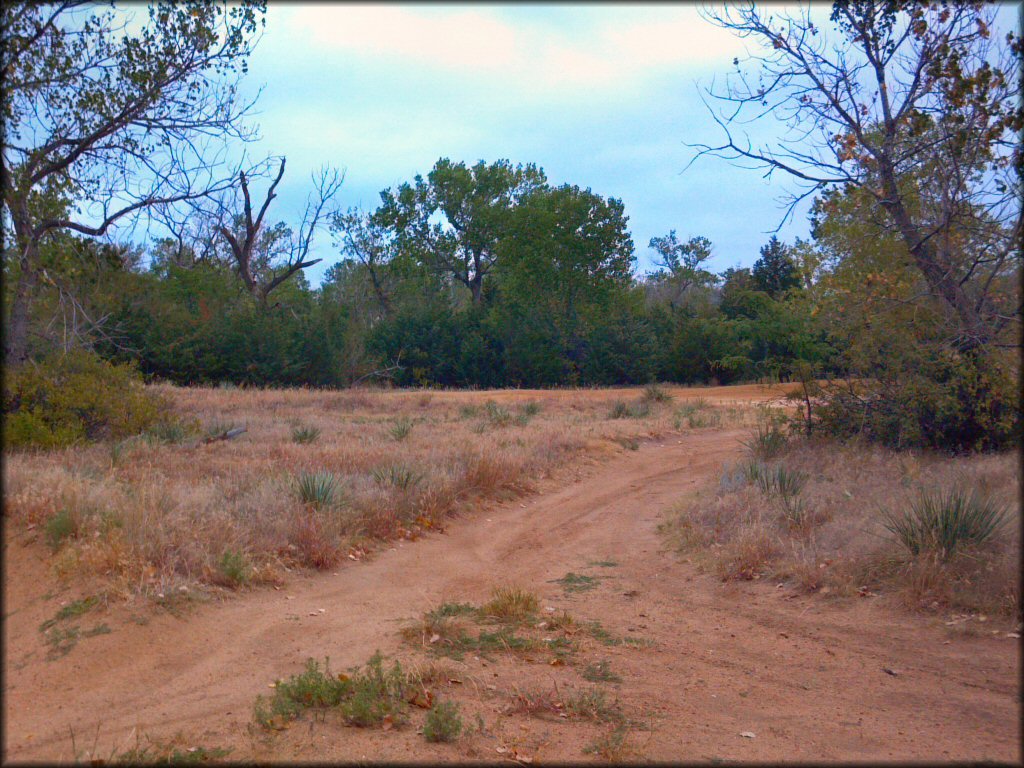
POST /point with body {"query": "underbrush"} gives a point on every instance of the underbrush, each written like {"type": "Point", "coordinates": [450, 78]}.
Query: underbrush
{"type": "Point", "coordinates": [316, 478]}
{"type": "Point", "coordinates": [932, 532]}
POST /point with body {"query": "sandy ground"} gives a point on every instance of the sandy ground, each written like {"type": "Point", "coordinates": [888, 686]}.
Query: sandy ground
{"type": "Point", "coordinates": [807, 677]}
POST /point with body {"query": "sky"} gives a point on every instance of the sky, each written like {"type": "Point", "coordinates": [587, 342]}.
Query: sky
{"type": "Point", "coordinates": [600, 96]}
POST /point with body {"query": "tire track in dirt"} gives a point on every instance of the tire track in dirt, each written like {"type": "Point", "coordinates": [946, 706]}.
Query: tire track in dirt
{"type": "Point", "coordinates": [803, 674]}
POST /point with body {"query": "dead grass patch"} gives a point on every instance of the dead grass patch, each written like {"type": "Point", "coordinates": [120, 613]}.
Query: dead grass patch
{"type": "Point", "coordinates": [829, 534]}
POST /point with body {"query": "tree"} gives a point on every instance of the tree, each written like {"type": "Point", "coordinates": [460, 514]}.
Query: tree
{"type": "Point", "coordinates": [918, 106]}
{"type": "Point", "coordinates": [775, 272]}
{"type": "Point", "coordinates": [454, 221]}
{"type": "Point", "coordinates": [103, 123]}
{"type": "Point", "coordinates": [266, 257]}
{"type": "Point", "coordinates": [682, 264]}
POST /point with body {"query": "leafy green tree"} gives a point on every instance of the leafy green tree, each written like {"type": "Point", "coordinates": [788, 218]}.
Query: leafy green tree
{"type": "Point", "coordinates": [453, 221]}
{"type": "Point", "coordinates": [103, 122]}
{"type": "Point", "coordinates": [681, 265]}
{"type": "Point", "coordinates": [775, 271]}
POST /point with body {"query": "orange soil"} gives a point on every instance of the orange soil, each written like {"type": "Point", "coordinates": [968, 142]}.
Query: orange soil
{"type": "Point", "coordinates": [806, 676]}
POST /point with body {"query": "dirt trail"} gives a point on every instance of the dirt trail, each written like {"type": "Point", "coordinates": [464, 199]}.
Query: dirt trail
{"type": "Point", "coordinates": [805, 676]}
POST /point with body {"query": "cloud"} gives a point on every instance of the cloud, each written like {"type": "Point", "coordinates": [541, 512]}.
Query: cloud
{"type": "Point", "coordinates": [527, 50]}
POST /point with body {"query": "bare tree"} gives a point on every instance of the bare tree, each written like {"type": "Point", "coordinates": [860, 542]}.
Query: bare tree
{"type": "Point", "coordinates": [372, 245]}
{"type": "Point", "coordinates": [102, 124]}
{"type": "Point", "coordinates": [266, 257]}
{"type": "Point", "coordinates": [919, 106]}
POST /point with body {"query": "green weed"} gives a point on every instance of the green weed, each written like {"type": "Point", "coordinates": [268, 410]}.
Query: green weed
{"type": "Point", "coordinates": [577, 582]}
{"type": "Point", "coordinates": [443, 723]}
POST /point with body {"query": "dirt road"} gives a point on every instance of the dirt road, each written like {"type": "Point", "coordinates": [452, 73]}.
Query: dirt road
{"type": "Point", "coordinates": [805, 676]}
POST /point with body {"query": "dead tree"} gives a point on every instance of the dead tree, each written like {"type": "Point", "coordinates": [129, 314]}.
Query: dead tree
{"type": "Point", "coordinates": [255, 248]}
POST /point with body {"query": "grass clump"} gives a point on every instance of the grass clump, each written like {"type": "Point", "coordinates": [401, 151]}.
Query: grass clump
{"type": "Point", "coordinates": [510, 604]}
{"type": "Point", "coordinates": [943, 522]}
{"type": "Point", "coordinates": [397, 476]}
{"type": "Point", "coordinates": [317, 489]}
{"type": "Point", "coordinates": [401, 429]}
{"type": "Point", "coordinates": [594, 705]}
{"type": "Point", "coordinates": [70, 611]}
{"type": "Point", "coordinates": [621, 410]}
{"type": "Point", "coordinates": [530, 409]}
{"type": "Point", "coordinates": [443, 723]}
{"type": "Point", "coordinates": [577, 582]}
{"type": "Point", "coordinates": [655, 393]}
{"type": "Point", "coordinates": [304, 435]}
{"type": "Point", "coordinates": [600, 672]}
{"type": "Point", "coordinates": [611, 746]}
{"type": "Point", "coordinates": [768, 440]}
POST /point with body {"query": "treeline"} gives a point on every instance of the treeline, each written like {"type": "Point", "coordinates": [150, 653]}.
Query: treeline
{"type": "Point", "coordinates": [482, 276]}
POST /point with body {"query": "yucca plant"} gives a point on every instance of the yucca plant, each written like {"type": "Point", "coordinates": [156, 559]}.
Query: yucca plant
{"type": "Point", "coordinates": [945, 521]}
{"type": "Point", "coordinates": [767, 442]}
{"type": "Point", "coordinates": [397, 476]}
{"type": "Point", "coordinates": [303, 435]}
{"type": "Point", "coordinates": [401, 429]}
{"type": "Point", "coordinates": [318, 489]}
{"type": "Point", "coordinates": [654, 393]}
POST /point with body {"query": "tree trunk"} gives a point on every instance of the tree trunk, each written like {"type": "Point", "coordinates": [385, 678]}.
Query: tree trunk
{"type": "Point", "coordinates": [16, 341]}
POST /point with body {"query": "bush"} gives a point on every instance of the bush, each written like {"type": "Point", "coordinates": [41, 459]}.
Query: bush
{"type": "Point", "coordinates": [61, 526]}
{"type": "Point", "coordinates": [943, 522]}
{"type": "Point", "coordinates": [68, 398]}
{"type": "Point", "coordinates": [443, 723]}
{"type": "Point", "coordinates": [655, 393]}
{"type": "Point", "coordinates": [958, 403]}
{"type": "Point", "coordinates": [377, 694]}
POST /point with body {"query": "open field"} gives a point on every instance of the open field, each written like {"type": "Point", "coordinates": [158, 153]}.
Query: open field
{"type": "Point", "coordinates": [191, 577]}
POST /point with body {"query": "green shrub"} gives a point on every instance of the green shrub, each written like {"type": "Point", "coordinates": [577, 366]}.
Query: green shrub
{"type": "Point", "coordinates": [376, 694]}
{"type": "Point", "coordinates": [443, 723]}
{"type": "Point", "coordinates": [318, 489]}
{"type": "Point", "coordinates": [62, 526]}
{"type": "Point", "coordinates": [234, 568]}
{"type": "Point", "coordinates": [311, 688]}
{"type": "Point", "coordinates": [945, 521]}
{"type": "Point", "coordinates": [73, 397]}
{"type": "Point", "coordinates": [969, 402]}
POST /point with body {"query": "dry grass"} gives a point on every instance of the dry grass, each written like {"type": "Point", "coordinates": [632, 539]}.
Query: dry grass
{"type": "Point", "coordinates": [151, 517]}
{"type": "Point", "coordinates": [831, 536]}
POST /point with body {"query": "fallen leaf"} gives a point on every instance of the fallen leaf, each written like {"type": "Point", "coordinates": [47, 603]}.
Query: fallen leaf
{"type": "Point", "coordinates": [343, 677]}
{"type": "Point", "coordinates": [1013, 634]}
{"type": "Point", "coordinates": [748, 734]}
{"type": "Point", "coordinates": [454, 681]}
{"type": "Point", "coordinates": [892, 672]}
{"type": "Point", "coordinates": [556, 662]}
{"type": "Point", "coordinates": [434, 638]}
{"type": "Point", "coordinates": [501, 750]}
{"type": "Point", "coordinates": [387, 723]}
